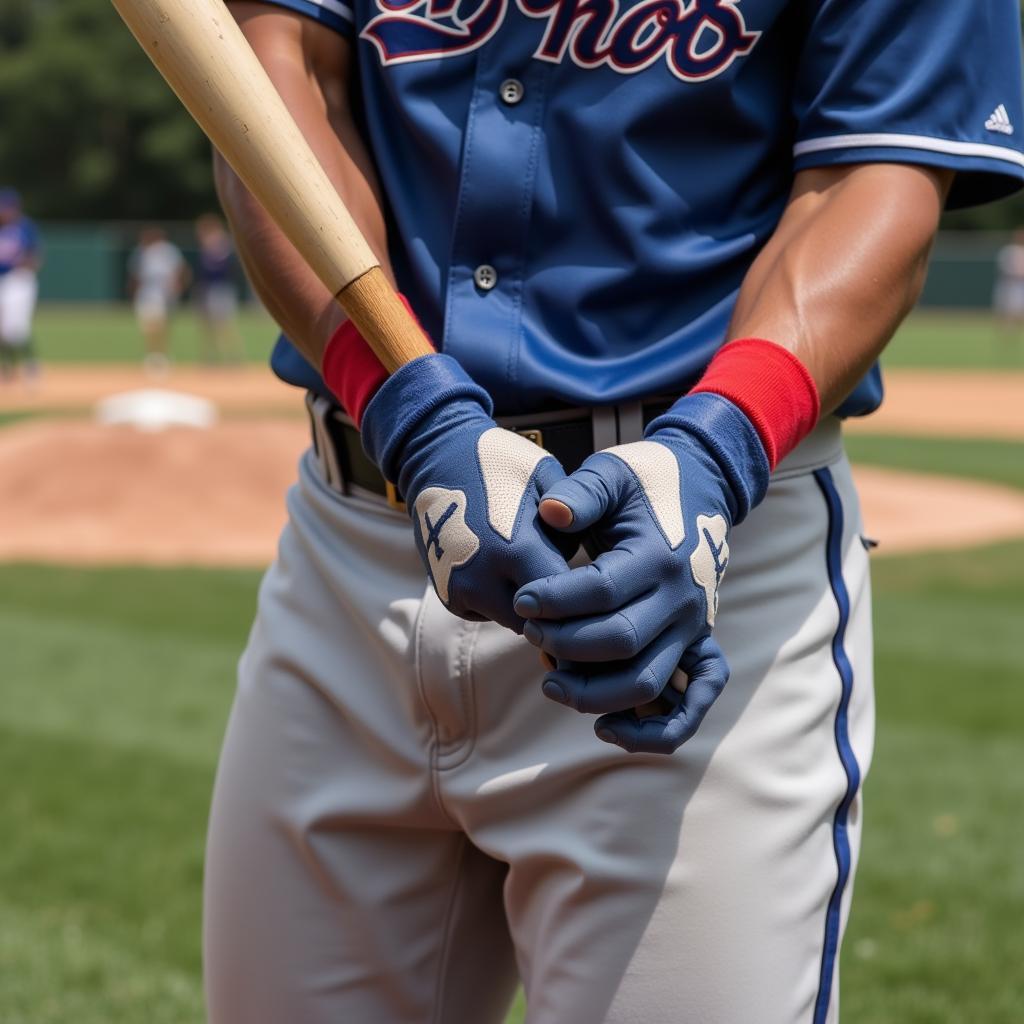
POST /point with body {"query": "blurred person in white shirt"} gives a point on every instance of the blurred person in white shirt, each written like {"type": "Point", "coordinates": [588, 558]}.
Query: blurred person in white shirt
{"type": "Point", "coordinates": [158, 274]}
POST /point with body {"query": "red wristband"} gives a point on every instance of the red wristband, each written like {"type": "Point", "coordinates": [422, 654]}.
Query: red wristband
{"type": "Point", "coordinates": [772, 387]}
{"type": "Point", "coordinates": [351, 370]}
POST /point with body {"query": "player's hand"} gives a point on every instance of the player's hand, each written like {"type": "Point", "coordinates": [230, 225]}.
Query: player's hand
{"type": "Point", "coordinates": [659, 513]}
{"type": "Point", "coordinates": [472, 488]}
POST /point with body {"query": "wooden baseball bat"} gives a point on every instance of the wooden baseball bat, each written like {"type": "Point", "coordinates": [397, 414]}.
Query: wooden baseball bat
{"type": "Point", "coordinates": [199, 48]}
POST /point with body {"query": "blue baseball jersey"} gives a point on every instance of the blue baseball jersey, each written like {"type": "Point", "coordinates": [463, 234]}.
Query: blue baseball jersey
{"type": "Point", "coordinates": [19, 242]}
{"type": "Point", "coordinates": [577, 188]}
{"type": "Point", "coordinates": [215, 265]}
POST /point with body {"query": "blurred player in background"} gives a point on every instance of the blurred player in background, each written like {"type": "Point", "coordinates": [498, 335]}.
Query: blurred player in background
{"type": "Point", "coordinates": [19, 264]}
{"type": "Point", "coordinates": [157, 275]}
{"type": "Point", "coordinates": [1008, 298]}
{"type": "Point", "coordinates": [216, 292]}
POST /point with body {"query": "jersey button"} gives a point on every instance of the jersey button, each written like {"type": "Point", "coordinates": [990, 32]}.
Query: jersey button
{"type": "Point", "coordinates": [485, 276]}
{"type": "Point", "coordinates": [511, 91]}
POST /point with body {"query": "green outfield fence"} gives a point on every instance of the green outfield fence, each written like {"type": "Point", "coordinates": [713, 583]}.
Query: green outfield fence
{"type": "Point", "coordinates": [87, 263]}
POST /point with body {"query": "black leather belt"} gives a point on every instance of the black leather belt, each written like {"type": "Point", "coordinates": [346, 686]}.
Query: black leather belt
{"type": "Point", "coordinates": [570, 435]}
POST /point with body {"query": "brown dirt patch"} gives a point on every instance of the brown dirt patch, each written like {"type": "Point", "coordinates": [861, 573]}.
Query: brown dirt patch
{"type": "Point", "coordinates": [949, 403]}
{"type": "Point", "coordinates": [921, 512]}
{"type": "Point", "coordinates": [945, 403]}
{"type": "Point", "coordinates": [78, 493]}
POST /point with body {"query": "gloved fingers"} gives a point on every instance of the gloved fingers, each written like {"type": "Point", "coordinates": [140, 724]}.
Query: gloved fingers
{"type": "Point", "coordinates": [567, 544]}
{"type": "Point", "coordinates": [577, 502]}
{"type": "Point", "coordinates": [620, 686]}
{"type": "Point", "coordinates": [478, 591]}
{"type": "Point", "coordinates": [615, 636]}
{"type": "Point", "coordinates": [607, 638]}
{"type": "Point", "coordinates": [483, 600]}
{"type": "Point", "coordinates": [483, 585]}
{"type": "Point", "coordinates": [707, 671]}
{"type": "Point", "coordinates": [549, 473]}
{"type": "Point", "coordinates": [537, 559]}
{"type": "Point", "coordinates": [604, 585]}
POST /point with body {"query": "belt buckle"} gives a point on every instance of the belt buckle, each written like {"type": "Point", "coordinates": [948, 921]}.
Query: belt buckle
{"type": "Point", "coordinates": [534, 435]}
{"type": "Point", "coordinates": [391, 494]}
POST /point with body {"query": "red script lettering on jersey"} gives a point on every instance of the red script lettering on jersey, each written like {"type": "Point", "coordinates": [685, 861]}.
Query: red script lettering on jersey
{"type": "Point", "coordinates": [697, 39]}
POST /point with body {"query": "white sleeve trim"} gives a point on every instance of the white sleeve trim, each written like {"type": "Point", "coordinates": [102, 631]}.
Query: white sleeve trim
{"type": "Point", "coordinates": [340, 9]}
{"type": "Point", "coordinates": [925, 142]}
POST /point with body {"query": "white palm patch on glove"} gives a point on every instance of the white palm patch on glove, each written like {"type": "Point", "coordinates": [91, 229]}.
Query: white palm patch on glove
{"type": "Point", "coordinates": [710, 558]}
{"type": "Point", "coordinates": [657, 472]}
{"type": "Point", "coordinates": [448, 540]}
{"type": "Point", "coordinates": [507, 464]}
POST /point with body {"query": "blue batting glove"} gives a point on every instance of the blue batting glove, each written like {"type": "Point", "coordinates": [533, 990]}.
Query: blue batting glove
{"type": "Point", "coordinates": [660, 512]}
{"type": "Point", "coordinates": [472, 488]}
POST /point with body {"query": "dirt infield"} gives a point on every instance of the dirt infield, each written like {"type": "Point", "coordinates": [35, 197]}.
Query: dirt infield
{"type": "Point", "coordinates": [944, 403]}
{"type": "Point", "coordinates": [949, 403]}
{"type": "Point", "coordinates": [908, 512]}
{"type": "Point", "coordinates": [72, 491]}
{"type": "Point", "coordinates": [75, 492]}
{"type": "Point", "coordinates": [79, 493]}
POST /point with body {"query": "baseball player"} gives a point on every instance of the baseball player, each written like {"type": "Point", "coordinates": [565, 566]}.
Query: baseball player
{"type": "Point", "coordinates": [659, 246]}
{"type": "Point", "coordinates": [1008, 294]}
{"type": "Point", "coordinates": [157, 275]}
{"type": "Point", "coordinates": [215, 292]}
{"type": "Point", "coordinates": [19, 286]}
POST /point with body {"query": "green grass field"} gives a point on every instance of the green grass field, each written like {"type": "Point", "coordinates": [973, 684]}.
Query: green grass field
{"type": "Point", "coordinates": [108, 334]}
{"type": "Point", "coordinates": [115, 684]}
{"type": "Point", "coordinates": [995, 461]}
{"type": "Point", "coordinates": [951, 340]}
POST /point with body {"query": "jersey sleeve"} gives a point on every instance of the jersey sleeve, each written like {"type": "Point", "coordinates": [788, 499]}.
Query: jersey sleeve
{"type": "Point", "coordinates": [335, 14]}
{"type": "Point", "coordinates": [915, 81]}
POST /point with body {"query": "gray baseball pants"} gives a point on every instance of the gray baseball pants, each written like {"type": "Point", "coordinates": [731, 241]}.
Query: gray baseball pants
{"type": "Point", "coordinates": [403, 826]}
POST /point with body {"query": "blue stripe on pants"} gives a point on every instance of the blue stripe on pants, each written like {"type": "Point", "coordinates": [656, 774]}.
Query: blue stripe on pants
{"type": "Point", "coordinates": [840, 838]}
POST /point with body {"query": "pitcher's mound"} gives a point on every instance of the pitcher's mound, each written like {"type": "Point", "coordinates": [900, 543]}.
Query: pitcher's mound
{"type": "Point", "coordinates": [924, 512]}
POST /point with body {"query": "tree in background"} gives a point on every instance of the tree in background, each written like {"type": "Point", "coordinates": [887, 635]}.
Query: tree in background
{"type": "Point", "coordinates": [88, 129]}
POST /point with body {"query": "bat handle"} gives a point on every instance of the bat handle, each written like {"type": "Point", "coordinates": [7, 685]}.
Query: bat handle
{"type": "Point", "coordinates": [375, 308]}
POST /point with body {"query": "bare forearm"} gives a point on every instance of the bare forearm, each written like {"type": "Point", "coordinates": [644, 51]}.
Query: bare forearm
{"type": "Point", "coordinates": [309, 65]}
{"type": "Point", "coordinates": [844, 268]}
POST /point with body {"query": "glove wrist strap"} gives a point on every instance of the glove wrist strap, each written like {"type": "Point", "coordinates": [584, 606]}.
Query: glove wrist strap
{"type": "Point", "coordinates": [351, 370]}
{"type": "Point", "coordinates": [771, 386]}
{"type": "Point", "coordinates": [413, 399]}
{"type": "Point", "coordinates": [729, 438]}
